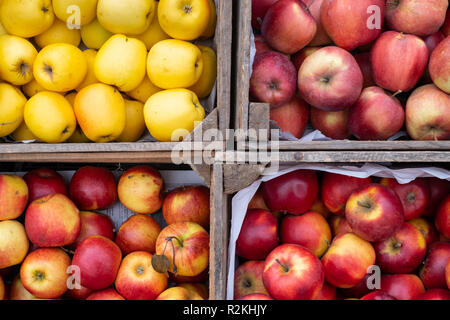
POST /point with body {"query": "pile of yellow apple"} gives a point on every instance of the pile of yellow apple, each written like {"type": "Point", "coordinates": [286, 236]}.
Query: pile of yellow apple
{"type": "Point", "coordinates": [104, 70]}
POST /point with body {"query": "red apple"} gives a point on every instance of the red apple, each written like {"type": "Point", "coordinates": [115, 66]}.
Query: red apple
{"type": "Point", "coordinates": [136, 278]}
{"type": "Point", "coordinates": [403, 252]}
{"type": "Point", "coordinates": [337, 188]}
{"type": "Point", "coordinates": [94, 224]}
{"type": "Point", "coordinates": [98, 259]}
{"type": "Point", "coordinates": [14, 243]}
{"type": "Point", "coordinates": [330, 79]}
{"type": "Point", "coordinates": [187, 204]}
{"type": "Point", "coordinates": [288, 26]}
{"type": "Point", "coordinates": [359, 290]}
{"type": "Point", "coordinates": [347, 21]}
{"type": "Point", "coordinates": [261, 45]}
{"type": "Point", "coordinates": [398, 61]}
{"type": "Point", "coordinates": [18, 292]}
{"type": "Point", "coordinates": [439, 66]}
{"type": "Point", "coordinates": [433, 40]}
{"type": "Point", "coordinates": [292, 272]}
{"type": "Point", "coordinates": [93, 188]}
{"type": "Point", "coordinates": [258, 235]}
{"type": "Point", "coordinates": [321, 38]}
{"type": "Point", "coordinates": [320, 207]}
{"type": "Point", "coordinates": [363, 60]}
{"type": "Point", "coordinates": [434, 294]}
{"type": "Point", "coordinates": [309, 230]}
{"type": "Point", "coordinates": [427, 229]}
{"type": "Point", "coordinates": [259, 9]}
{"type": "Point", "coordinates": [78, 294]}
{"type": "Point", "coordinates": [374, 212]}
{"type": "Point", "coordinates": [291, 117]}
{"type": "Point", "coordinates": [446, 26]}
{"type": "Point", "coordinates": [328, 292]}
{"type": "Point", "coordinates": [339, 225]}
{"type": "Point", "coordinates": [294, 192]}
{"type": "Point", "coordinates": [299, 57]}
{"type": "Point", "coordinates": [427, 116]}
{"type": "Point", "coordinates": [257, 202]}
{"type": "Point", "coordinates": [332, 124]}
{"type": "Point", "coordinates": [105, 294]}
{"type": "Point", "coordinates": [52, 221]}
{"type": "Point", "coordinates": [402, 286]}
{"type": "Point", "coordinates": [13, 196]}
{"type": "Point", "coordinates": [347, 260]}
{"type": "Point", "coordinates": [256, 296]}
{"type": "Point", "coordinates": [378, 295]}
{"type": "Point", "coordinates": [42, 182]}
{"type": "Point", "coordinates": [44, 273]}
{"type": "Point", "coordinates": [274, 78]}
{"type": "Point", "coordinates": [248, 279]}
{"type": "Point", "coordinates": [433, 272]}
{"type": "Point", "coordinates": [421, 18]}
{"type": "Point", "coordinates": [443, 218]}
{"type": "Point", "coordinates": [439, 188]}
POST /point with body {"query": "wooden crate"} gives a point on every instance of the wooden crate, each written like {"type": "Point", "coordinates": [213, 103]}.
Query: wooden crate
{"type": "Point", "coordinates": [249, 115]}
{"type": "Point", "coordinates": [219, 117]}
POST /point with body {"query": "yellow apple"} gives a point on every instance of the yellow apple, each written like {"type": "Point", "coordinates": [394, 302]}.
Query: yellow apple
{"type": "Point", "coordinates": [211, 28]}
{"type": "Point", "coordinates": [12, 103]}
{"type": "Point", "coordinates": [184, 20]}
{"type": "Point", "coordinates": [129, 17]}
{"type": "Point", "coordinates": [94, 35]}
{"type": "Point", "coordinates": [65, 12]}
{"type": "Point", "coordinates": [60, 67]}
{"type": "Point", "coordinates": [14, 243]}
{"type": "Point", "coordinates": [121, 62]}
{"type": "Point", "coordinates": [2, 29]}
{"type": "Point", "coordinates": [78, 135]}
{"type": "Point", "coordinates": [135, 123]}
{"type": "Point", "coordinates": [22, 133]}
{"type": "Point", "coordinates": [144, 91]}
{"type": "Point", "coordinates": [170, 115]}
{"type": "Point", "coordinates": [58, 33]}
{"type": "Point", "coordinates": [174, 64]}
{"type": "Point", "coordinates": [154, 33]}
{"type": "Point", "coordinates": [100, 112]}
{"type": "Point", "coordinates": [32, 87]}
{"type": "Point", "coordinates": [90, 78]}
{"type": "Point", "coordinates": [50, 117]}
{"type": "Point", "coordinates": [205, 84]}
{"type": "Point", "coordinates": [26, 18]}
{"type": "Point", "coordinates": [17, 56]}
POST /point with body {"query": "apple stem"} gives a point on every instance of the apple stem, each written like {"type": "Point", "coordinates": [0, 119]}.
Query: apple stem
{"type": "Point", "coordinates": [397, 93]}
{"type": "Point", "coordinates": [285, 269]}
{"type": "Point", "coordinates": [67, 250]}
{"type": "Point", "coordinates": [397, 245]}
{"type": "Point", "coordinates": [169, 239]}
{"type": "Point", "coordinates": [365, 204]}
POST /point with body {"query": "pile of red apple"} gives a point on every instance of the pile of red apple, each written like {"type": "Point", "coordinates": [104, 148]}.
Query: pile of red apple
{"type": "Point", "coordinates": [323, 236]}
{"type": "Point", "coordinates": [76, 253]}
{"type": "Point", "coordinates": [365, 69]}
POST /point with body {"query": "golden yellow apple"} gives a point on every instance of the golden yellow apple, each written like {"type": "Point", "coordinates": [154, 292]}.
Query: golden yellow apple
{"type": "Point", "coordinates": [154, 33]}
{"type": "Point", "coordinates": [100, 112]}
{"type": "Point", "coordinates": [205, 84]}
{"type": "Point", "coordinates": [32, 87]}
{"type": "Point", "coordinates": [78, 135]}
{"type": "Point", "coordinates": [211, 28]}
{"type": "Point", "coordinates": [94, 35]}
{"type": "Point", "coordinates": [17, 56]}
{"type": "Point", "coordinates": [12, 103]}
{"type": "Point", "coordinates": [135, 123]}
{"type": "Point", "coordinates": [65, 11]}
{"type": "Point", "coordinates": [22, 133]}
{"type": "Point", "coordinates": [26, 18]}
{"type": "Point", "coordinates": [50, 117]}
{"type": "Point", "coordinates": [58, 33]}
{"type": "Point", "coordinates": [170, 115]}
{"type": "Point", "coordinates": [144, 91]}
{"type": "Point", "coordinates": [60, 67]}
{"type": "Point", "coordinates": [184, 19]}
{"type": "Point", "coordinates": [121, 62]}
{"type": "Point", "coordinates": [90, 77]}
{"type": "Point", "coordinates": [174, 64]}
{"type": "Point", "coordinates": [129, 17]}
{"type": "Point", "coordinates": [2, 29]}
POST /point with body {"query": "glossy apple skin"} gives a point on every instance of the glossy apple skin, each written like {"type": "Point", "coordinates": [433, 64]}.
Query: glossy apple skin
{"type": "Point", "coordinates": [421, 18]}
{"type": "Point", "coordinates": [403, 252]}
{"type": "Point", "coordinates": [94, 224]}
{"type": "Point", "coordinates": [435, 294]}
{"type": "Point", "coordinates": [261, 45]}
{"type": "Point", "coordinates": [248, 279]}
{"type": "Point", "coordinates": [363, 60]}
{"type": "Point", "coordinates": [274, 79]}
{"type": "Point", "coordinates": [337, 188]}
{"type": "Point", "coordinates": [374, 212]}
{"type": "Point", "coordinates": [258, 235]}
{"type": "Point", "coordinates": [105, 294]}
{"type": "Point", "coordinates": [321, 38]}
{"type": "Point", "coordinates": [347, 260]}
{"type": "Point", "coordinates": [439, 188]}
{"type": "Point", "coordinates": [426, 114]}
{"type": "Point", "coordinates": [291, 117]}
{"type": "Point", "coordinates": [328, 292]}
{"type": "Point", "coordinates": [294, 192]}
{"type": "Point", "coordinates": [43, 181]}
{"type": "Point", "coordinates": [13, 196]}
{"type": "Point", "coordinates": [93, 188]}
{"type": "Point", "coordinates": [443, 218]}
{"type": "Point", "coordinates": [98, 259]}
{"type": "Point", "coordinates": [256, 296]}
{"type": "Point", "coordinates": [427, 229]}
{"type": "Point", "coordinates": [332, 124]}
{"type": "Point", "coordinates": [259, 9]}
{"type": "Point", "coordinates": [345, 21]}
{"type": "Point", "coordinates": [330, 79]}
{"type": "Point", "coordinates": [376, 115]}
{"type": "Point", "coordinates": [78, 294]}
{"type": "Point", "coordinates": [414, 195]}
{"type": "Point", "coordinates": [440, 64]}
{"type": "Point", "coordinates": [138, 233]}
{"type": "Point", "coordinates": [14, 244]}
{"type": "Point", "coordinates": [300, 278]}
{"type": "Point", "coordinates": [377, 295]}
{"type": "Point", "coordinates": [52, 221]}
{"type": "Point", "coordinates": [339, 225]}
{"type": "Point", "coordinates": [309, 230]}
{"type": "Point", "coordinates": [257, 202]}
{"type": "Point", "coordinates": [402, 286]}
{"type": "Point", "coordinates": [187, 204]}
{"type": "Point", "coordinates": [136, 278]}
{"type": "Point", "coordinates": [398, 61]}
{"type": "Point", "coordinates": [433, 272]}
{"type": "Point", "coordinates": [288, 26]}
{"type": "Point", "coordinates": [299, 57]}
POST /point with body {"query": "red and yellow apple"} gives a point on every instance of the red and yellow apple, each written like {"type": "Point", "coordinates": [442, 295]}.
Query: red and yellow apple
{"type": "Point", "coordinates": [402, 286]}
{"type": "Point", "coordinates": [94, 224]}
{"type": "Point", "coordinates": [44, 181]}
{"type": "Point", "coordinates": [14, 243]}
{"type": "Point", "coordinates": [291, 117]}
{"type": "Point", "coordinates": [248, 279]}
{"type": "Point", "coordinates": [13, 196]}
